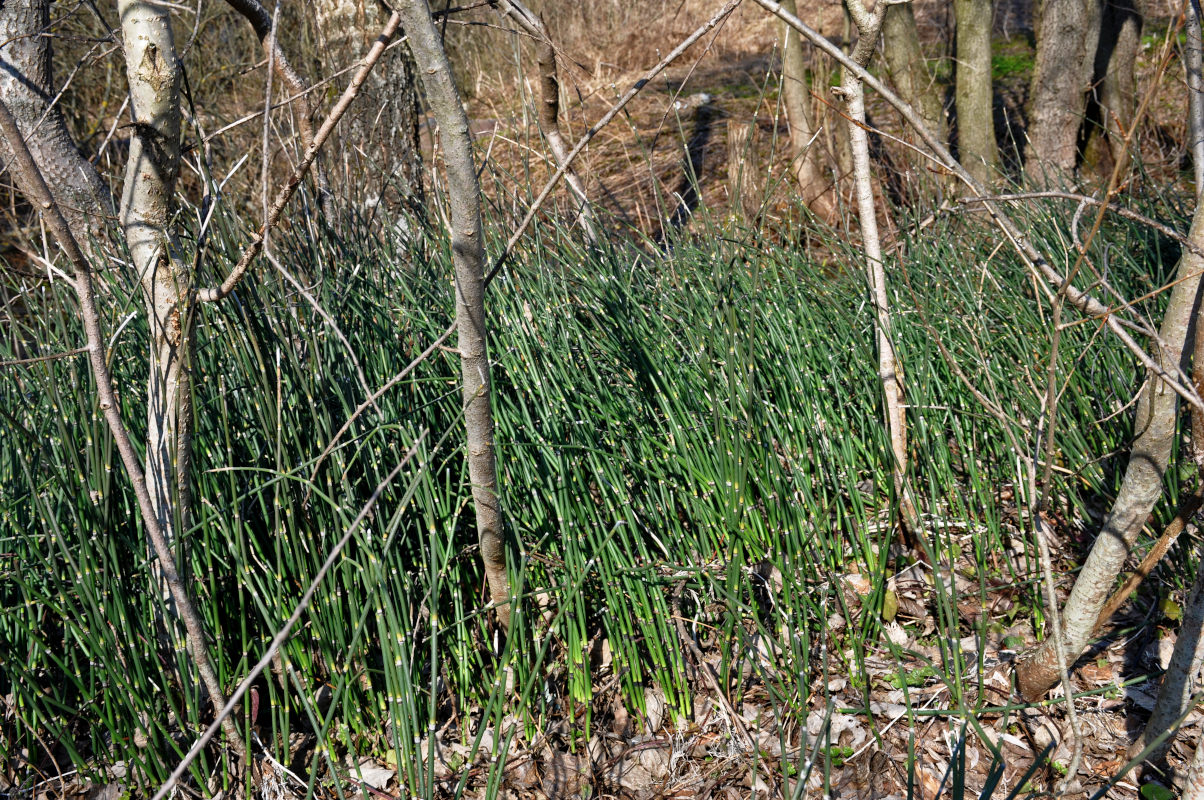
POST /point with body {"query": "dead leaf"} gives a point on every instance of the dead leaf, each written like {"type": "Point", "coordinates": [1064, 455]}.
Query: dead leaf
{"type": "Point", "coordinates": [374, 774]}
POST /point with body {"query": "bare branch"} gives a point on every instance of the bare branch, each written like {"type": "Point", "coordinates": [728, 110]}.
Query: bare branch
{"type": "Point", "coordinates": [33, 185]}
{"type": "Point", "coordinates": [287, 191]}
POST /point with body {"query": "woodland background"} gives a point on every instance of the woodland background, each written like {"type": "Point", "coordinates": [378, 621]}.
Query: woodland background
{"type": "Point", "coordinates": [779, 450]}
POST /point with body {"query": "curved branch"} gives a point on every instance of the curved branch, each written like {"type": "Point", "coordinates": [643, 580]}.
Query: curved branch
{"type": "Point", "coordinates": [287, 191]}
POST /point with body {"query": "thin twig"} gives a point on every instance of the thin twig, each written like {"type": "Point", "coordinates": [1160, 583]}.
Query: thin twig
{"type": "Point", "coordinates": [54, 356]}
{"type": "Point", "coordinates": [286, 192]}
{"type": "Point", "coordinates": [1120, 211]}
{"type": "Point", "coordinates": [635, 89]}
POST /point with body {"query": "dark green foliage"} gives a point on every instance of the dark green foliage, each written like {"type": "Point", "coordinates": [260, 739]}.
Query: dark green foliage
{"type": "Point", "coordinates": [664, 422]}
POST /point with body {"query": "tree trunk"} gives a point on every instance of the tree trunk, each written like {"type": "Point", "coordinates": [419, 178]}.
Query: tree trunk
{"type": "Point", "coordinates": [384, 123]}
{"type": "Point", "coordinates": [818, 191]}
{"type": "Point", "coordinates": [468, 256]}
{"type": "Point", "coordinates": [915, 84]}
{"type": "Point", "coordinates": [1115, 85]}
{"type": "Point", "coordinates": [890, 371]}
{"type": "Point", "coordinates": [1066, 43]}
{"type": "Point", "coordinates": [549, 107]}
{"type": "Point", "coordinates": [973, 94]}
{"type": "Point", "coordinates": [1178, 685]}
{"type": "Point", "coordinates": [908, 69]}
{"type": "Point", "coordinates": [1193, 64]}
{"type": "Point", "coordinates": [1140, 490]}
{"type": "Point", "coordinates": [27, 88]}
{"type": "Point", "coordinates": [146, 217]}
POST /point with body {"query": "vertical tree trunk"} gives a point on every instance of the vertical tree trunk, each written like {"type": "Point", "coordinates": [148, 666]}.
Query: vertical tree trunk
{"type": "Point", "coordinates": [1142, 485]}
{"type": "Point", "coordinates": [818, 190]}
{"type": "Point", "coordinates": [549, 107]}
{"type": "Point", "coordinates": [973, 93]}
{"type": "Point", "coordinates": [33, 185]}
{"type": "Point", "coordinates": [468, 256]}
{"type": "Point", "coordinates": [146, 217]}
{"type": "Point", "coordinates": [908, 70]}
{"type": "Point", "coordinates": [1066, 44]}
{"type": "Point", "coordinates": [27, 87]}
{"type": "Point", "coordinates": [890, 371]}
{"type": "Point", "coordinates": [1193, 64]}
{"type": "Point", "coordinates": [384, 123]}
{"type": "Point", "coordinates": [1114, 95]}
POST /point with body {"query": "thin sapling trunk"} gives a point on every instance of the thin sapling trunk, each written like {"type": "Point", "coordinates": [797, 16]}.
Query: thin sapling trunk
{"type": "Point", "coordinates": [146, 217]}
{"type": "Point", "coordinates": [890, 372]}
{"type": "Point", "coordinates": [468, 257]}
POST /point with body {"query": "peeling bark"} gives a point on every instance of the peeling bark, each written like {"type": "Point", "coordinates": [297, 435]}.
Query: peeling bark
{"type": "Point", "coordinates": [468, 257]}
{"type": "Point", "coordinates": [146, 210]}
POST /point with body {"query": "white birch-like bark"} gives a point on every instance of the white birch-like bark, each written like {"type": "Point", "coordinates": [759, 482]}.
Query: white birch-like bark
{"type": "Point", "coordinates": [146, 211]}
{"type": "Point", "coordinates": [890, 371]}
{"type": "Point", "coordinates": [468, 257]}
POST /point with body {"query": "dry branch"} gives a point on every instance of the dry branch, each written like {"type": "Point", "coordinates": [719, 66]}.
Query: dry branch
{"type": "Point", "coordinates": [261, 23]}
{"type": "Point", "coordinates": [33, 185]}
{"type": "Point", "coordinates": [249, 253]}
